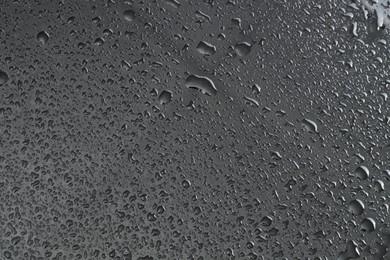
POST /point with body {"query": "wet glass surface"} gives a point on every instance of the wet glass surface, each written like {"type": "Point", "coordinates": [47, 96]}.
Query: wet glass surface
{"type": "Point", "coordinates": [180, 129]}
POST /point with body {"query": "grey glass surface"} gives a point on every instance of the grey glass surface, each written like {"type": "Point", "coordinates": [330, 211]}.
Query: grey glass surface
{"type": "Point", "coordinates": [183, 129]}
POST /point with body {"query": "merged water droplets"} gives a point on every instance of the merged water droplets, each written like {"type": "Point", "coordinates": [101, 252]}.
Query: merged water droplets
{"type": "Point", "coordinates": [204, 84]}
{"type": "Point", "coordinates": [206, 48]}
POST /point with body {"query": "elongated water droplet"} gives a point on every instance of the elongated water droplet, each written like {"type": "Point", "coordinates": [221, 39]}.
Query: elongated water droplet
{"type": "Point", "coordinates": [204, 84]}
{"type": "Point", "coordinates": [206, 48]}
{"type": "Point", "coordinates": [310, 125]}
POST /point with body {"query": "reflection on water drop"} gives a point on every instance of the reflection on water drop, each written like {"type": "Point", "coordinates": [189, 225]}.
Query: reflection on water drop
{"type": "Point", "coordinates": [243, 48]}
{"type": "Point", "coordinates": [3, 77]}
{"type": "Point", "coordinates": [204, 84]}
{"type": "Point", "coordinates": [165, 97]}
{"type": "Point", "coordinates": [43, 37]}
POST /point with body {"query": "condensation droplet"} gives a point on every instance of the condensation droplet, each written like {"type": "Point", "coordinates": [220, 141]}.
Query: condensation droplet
{"type": "Point", "coordinates": [3, 77]}
{"type": "Point", "coordinates": [129, 15]}
{"type": "Point", "coordinates": [165, 97]}
{"type": "Point", "coordinates": [43, 37]}
{"type": "Point", "coordinates": [243, 48]}
{"type": "Point", "coordinates": [362, 172]}
{"type": "Point", "coordinates": [204, 84]}
{"type": "Point", "coordinates": [206, 48]}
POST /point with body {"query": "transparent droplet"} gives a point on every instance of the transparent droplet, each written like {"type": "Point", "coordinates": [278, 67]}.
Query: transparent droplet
{"type": "Point", "coordinates": [362, 172]}
{"type": "Point", "coordinates": [99, 42]}
{"type": "Point", "coordinates": [204, 84]}
{"type": "Point", "coordinates": [356, 207]}
{"type": "Point", "coordinates": [3, 77]}
{"type": "Point", "coordinates": [43, 37]}
{"type": "Point", "coordinates": [379, 185]}
{"type": "Point", "coordinates": [206, 48]}
{"type": "Point", "coordinates": [368, 225]}
{"type": "Point", "coordinates": [129, 15]}
{"type": "Point", "coordinates": [310, 125]}
{"type": "Point", "coordinates": [243, 48]}
{"type": "Point", "coordinates": [165, 97]}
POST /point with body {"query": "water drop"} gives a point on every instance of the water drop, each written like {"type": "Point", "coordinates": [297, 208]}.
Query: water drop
{"type": "Point", "coordinates": [165, 97]}
{"type": "Point", "coordinates": [204, 84]}
{"type": "Point", "coordinates": [242, 48]}
{"type": "Point", "coordinates": [43, 37]}
{"type": "Point", "coordinates": [3, 77]}
{"type": "Point", "coordinates": [310, 125]}
{"type": "Point", "coordinates": [174, 3]}
{"type": "Point", "coordinates": [368, 225]}
{"type": "Point", "coordinates": [356, 207]}
{"type": "Point", "coordinates": [362, 172]}
{"type": "Point", "coordinates": [206, 48]}
{"type": "Point", "coordinates": [129, 15]}
{"type": "Point", "coordinates": [379, 186]}
{"type": "Point", "coordinates": [186, 184]}
{"type": "Point", "coordinates": [99, 42]}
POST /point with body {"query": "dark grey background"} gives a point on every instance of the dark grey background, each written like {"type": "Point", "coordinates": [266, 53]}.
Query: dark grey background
{"type": "Point", "coordinates": [182, 129]}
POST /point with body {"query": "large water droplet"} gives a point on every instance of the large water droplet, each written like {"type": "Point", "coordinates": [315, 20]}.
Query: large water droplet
{"type": "Point", "coordinates": [43, 37]}
{"type": "Point", "coordinates": [206, 48]}
{"type": "Point", "coordinates": [362, 172]}
{"type": "Point", "coordinates": [243, 48]}
{"type": "Point", "coordinates": [368, 225]}
{"type": "Point", "coordinates": [129, 15]}
{"type": "Point", "coordinates": [204, 84]}
{"type": "Point", "coordinates": [356, 207]}
{"type": "Point", "coordinates": [3, 77]}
